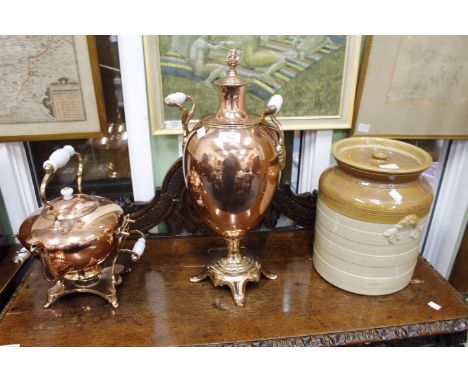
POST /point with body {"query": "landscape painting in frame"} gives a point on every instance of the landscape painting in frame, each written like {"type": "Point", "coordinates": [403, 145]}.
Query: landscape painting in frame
{"type": "Point", "coordinates": [308, 71]}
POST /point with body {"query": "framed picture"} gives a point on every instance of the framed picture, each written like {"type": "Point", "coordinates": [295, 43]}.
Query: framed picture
{"type": "Point", "coordinates": [50, 88]}
{"type": "Point", "coordinates": [316, 75]}
{"type": "Point", "coordinates": [413, 87]}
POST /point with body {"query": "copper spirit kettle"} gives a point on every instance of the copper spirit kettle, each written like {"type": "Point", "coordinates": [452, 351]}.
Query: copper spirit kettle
{"type": "Point", "coordinates": [74, 234]}
{"type": "Point", "coordinates": [232, 162]}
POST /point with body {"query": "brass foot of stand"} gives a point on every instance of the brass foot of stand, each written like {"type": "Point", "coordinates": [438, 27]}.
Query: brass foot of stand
{"type": "Point", "coordinates": [103, 286]}
{"type": "Point", "coordinates": [235, 271]}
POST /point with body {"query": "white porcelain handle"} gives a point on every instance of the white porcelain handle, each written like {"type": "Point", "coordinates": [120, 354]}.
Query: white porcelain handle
{"type": "Point", "coordinates": [60, 157]}
{"type": "Point", "coordinates": [138, 249]}
{"type": "Point", "coordinates": [178, 98]}
{"type": "Point", "coordinates": [21, 256]}
{"type": "Point", "coordinates": [276, 101]}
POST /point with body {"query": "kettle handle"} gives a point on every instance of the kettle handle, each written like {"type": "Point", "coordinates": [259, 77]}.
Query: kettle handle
{"type": "Point", "coordinates": [58, 159]}
{"type": "Point", "coordinates": [274, 106]}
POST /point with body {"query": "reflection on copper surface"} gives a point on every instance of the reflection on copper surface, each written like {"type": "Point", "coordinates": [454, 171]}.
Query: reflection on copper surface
{"type": "Point", "coordinates": [234, 182]}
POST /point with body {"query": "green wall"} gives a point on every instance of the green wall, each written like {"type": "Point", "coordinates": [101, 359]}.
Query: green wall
{"type": "Point", "coordinates": [165, 153]}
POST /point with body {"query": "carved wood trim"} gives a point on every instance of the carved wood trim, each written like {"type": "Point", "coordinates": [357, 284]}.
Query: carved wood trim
{"type": "Point", "coordinates": [171, 204]}
{"type": "Point", "coordinates": [366, 336]}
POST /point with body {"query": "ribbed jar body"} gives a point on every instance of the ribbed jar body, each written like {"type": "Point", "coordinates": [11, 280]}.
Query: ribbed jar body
{"type": "Point", "coordinates": [231, 173]}
{"type": "Point", "coordinates": [368, 226]}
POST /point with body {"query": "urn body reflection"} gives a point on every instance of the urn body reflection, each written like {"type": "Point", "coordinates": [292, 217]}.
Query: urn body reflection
{"type": "Point", "coordinates": [232, 183]}
{"type": "Point", "coordinates": [232, 166]}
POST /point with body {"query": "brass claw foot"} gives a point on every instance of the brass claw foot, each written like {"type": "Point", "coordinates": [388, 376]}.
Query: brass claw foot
{"type": "Point", "coordinates": [201, 276]}
{"type": "Point", "coordinates": [269, 275]}
{"type": "Point", "coordinates": [238, 292]}
{"type": "Point", "coordinates": [235, 271]}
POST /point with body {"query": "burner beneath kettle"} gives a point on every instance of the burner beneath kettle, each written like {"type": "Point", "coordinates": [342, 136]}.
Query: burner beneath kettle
{"type": "Point", "coordinates": [102, 284]}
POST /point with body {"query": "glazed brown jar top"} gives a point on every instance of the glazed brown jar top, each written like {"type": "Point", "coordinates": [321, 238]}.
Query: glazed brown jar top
{"type": "Point", "coordinates": [381, 155]}
{"type": "Point", "coordinates": [377, 180]}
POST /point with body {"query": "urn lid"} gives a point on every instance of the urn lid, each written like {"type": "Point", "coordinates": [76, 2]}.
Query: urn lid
{"type": "Point", "coordinates": [381, 155]}
{"type": "Point", "coordinates": [232, 79]}
{"type": "Point", "coordinates": [232, 110]}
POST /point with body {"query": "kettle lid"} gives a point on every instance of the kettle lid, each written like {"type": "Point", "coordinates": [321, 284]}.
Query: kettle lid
{"type": "Point", "coordinates": [70, 206]}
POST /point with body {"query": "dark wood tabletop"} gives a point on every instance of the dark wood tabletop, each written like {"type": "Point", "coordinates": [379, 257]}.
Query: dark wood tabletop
{"type": "Point", "coordinates": [159, 306]}
{"type": "Point", "coordinates": [8, 269]}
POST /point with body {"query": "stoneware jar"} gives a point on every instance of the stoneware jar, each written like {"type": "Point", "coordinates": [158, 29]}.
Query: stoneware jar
{"type": "Point", "coordinates": [371, 212]}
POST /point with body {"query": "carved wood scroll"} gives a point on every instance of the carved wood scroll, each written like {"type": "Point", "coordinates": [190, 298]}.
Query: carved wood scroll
{"type": "Point", "coordinates": [453, 330]}
{"type": "Point", "coordinates": [171, 204]}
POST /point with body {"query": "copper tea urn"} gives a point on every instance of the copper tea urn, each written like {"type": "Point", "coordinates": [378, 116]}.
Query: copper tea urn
{"type": "Point", "coordinates": [74, 234]}
{"type": "Point", "coordinates": [232, 162]}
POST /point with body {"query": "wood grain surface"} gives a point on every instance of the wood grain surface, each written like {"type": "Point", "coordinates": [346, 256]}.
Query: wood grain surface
{"type": "Point", "coordinates": [8, 269]}
{"type": "Point", "coordinates": [160, 307]}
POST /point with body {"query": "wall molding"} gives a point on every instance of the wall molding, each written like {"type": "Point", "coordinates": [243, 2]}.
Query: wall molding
{"type": "Point", "coordinates": [315, 158]}
{"type": "Point", "coordinates": [132, 70]}
{"type": "Point", "coordinates": [16, 183]}
{"type": "Point", "coordinates": [449, 211]}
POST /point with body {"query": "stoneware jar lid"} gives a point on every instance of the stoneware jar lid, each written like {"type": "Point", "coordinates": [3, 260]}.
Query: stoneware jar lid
{"type": "Point", "coordinates": [381, 155]}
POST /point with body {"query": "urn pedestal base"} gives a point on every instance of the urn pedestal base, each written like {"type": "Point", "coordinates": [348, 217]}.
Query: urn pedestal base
{"type": "Point", "coordinates": [102, 284]}
{"type": "Point", "coordinates": [234, 270]}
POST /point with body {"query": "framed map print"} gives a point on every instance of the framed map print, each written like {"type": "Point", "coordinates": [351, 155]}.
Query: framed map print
{"type": "Point", "coordinates": [414, 87]}
{"type": "Point", "coordinates": [50, 88]}
{"type": "Point", "coordinates": [316, 75]}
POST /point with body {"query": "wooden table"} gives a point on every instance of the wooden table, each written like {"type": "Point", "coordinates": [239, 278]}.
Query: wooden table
{"type": "Point", "coordinates": [160, 307]}
{"type": "Point", "coordinates": [9, 272]}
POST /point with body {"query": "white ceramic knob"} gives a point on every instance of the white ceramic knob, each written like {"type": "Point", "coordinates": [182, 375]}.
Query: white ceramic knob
{"type": "Point", "coordinates": [276, 101]}
{"type": "Point", "coordinates": [60, 157]}
{"type": "Point", "coordinates": [21, 256]}
{"type": "Point", "coordinates": [67, 193]}
{"type": "Point", "coordinates": [138, 248]}
{"type": "Point", "coordinates": [178, 98]}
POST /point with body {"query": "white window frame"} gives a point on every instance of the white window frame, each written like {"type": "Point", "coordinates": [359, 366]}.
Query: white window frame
{"type": "Point", "coordinates": [16, 183]}
{"type": "Point", "coordinates": [132, 71]}
{"type": "Point", "coordinates": [315, 158]}
{"type": "Point", "coordinates": [449, 211]}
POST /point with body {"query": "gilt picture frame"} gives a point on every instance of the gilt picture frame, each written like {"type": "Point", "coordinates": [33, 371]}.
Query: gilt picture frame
{"type": "Point", "coordinates": [50, 88]}
{"type": "Point", "coordinates": [413, 87]}
{"type": "Point", "coordinates": [317, 76]}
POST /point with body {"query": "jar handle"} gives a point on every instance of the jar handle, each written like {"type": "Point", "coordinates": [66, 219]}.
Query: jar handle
{"type": "Point", "coordinates": [273, 107]}
{"type": "Point", "coordinates": [58, 159]}
{"type": "Point", "coordinates": [394, 234]}
{"type": "Point", "coordinates": [176, 100]}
